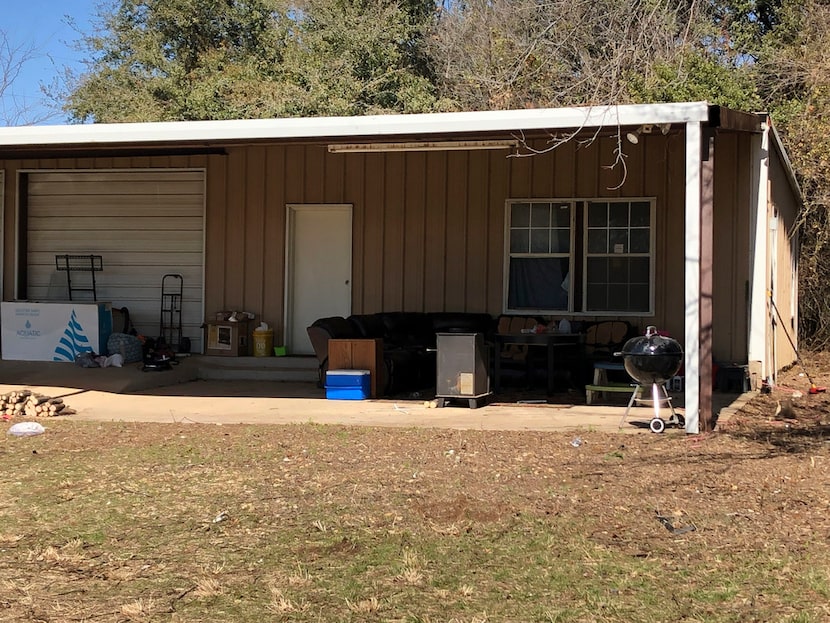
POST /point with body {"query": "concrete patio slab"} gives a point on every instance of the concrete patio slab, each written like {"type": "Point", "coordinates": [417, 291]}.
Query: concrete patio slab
{"type": "Point", "coordinates": [179, 396]}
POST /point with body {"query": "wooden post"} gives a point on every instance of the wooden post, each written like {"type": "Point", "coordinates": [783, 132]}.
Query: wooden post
{"type": "Point", "coordinates": [707, 177]}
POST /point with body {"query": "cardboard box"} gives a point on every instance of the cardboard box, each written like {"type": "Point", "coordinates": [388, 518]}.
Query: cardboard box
{"type": "Point", "coordinates": [228, 339]}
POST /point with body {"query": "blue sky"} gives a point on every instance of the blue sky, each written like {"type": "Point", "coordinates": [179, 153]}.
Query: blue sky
{"type": "Point", "coordinates": [41, 24]}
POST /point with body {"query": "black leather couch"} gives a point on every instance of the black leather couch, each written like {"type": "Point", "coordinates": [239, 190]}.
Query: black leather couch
{"type": "Point", "coordinates": [408, 341]}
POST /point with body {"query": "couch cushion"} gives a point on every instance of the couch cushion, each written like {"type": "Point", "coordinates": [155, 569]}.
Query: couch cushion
{"type": "Point", "coordinates": [368, 325]}
{"type": "Point", "coordinates": [408, 329]}
{"type": "Point", "coordinates": [462, 322]}
{"type": "Point", "coordinates": [337, 327]}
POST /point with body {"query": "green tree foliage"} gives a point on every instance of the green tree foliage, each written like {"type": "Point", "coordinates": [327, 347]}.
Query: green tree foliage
{"type": "Point", "coordinates": [220, 59]}
{"type": "Point", "coordinates": [354, 58]}
{"type": "Point", "coordinates": [692, 77]}
{"type": "Point", "coordinates": [519, 53]}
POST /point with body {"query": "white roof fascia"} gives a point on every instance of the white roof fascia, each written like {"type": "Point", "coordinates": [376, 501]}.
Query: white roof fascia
{"type": "Point", "coordinates": [365, 126]}
{"type": "Point", "coordinates": [789, 170]}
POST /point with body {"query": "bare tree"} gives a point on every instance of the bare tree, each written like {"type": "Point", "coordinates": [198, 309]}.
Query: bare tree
{"type": "Point", "coordinates": [526, 53]}
{"type": "Point", "coordinates": [17, 109]}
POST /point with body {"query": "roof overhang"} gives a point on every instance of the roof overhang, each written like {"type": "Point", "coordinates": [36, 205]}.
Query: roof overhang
{"type": "Point", "coordinates": [212, 133]}
{"type": "Point", "coordinates": [778, 145]}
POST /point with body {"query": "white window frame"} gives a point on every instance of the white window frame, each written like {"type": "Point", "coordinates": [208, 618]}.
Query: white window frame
{"type": "Point", "coordinates": [582, 260]}
{"type": "Point", "coordinates": [508, 255]}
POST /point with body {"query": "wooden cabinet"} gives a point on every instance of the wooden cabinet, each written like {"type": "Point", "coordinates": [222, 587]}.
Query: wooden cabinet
{"type": "Point", "coordinates": [362, 354]}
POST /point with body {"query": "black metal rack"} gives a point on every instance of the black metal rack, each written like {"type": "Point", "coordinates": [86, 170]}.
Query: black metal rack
{"type": "Point", "coordinates": [80, 264]}
{"type": "Point", "coordinates": [170, 322]}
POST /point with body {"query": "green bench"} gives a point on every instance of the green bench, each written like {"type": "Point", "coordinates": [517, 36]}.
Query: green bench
{"type": "Point", "coordinates": [625, 388]}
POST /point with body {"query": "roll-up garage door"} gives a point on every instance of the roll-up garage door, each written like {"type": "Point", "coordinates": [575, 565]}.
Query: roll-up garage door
{"type": "Point", "coordinates": [144, 224]}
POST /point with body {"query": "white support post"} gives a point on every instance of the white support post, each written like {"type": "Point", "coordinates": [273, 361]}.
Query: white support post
{"type": "Point", "coordinates": [692, 277]}
{"type": "Point", "coordinates": [758, 306]}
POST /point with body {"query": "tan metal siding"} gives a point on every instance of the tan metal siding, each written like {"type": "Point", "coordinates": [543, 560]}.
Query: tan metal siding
{"type": "Point", "coordinates": [671, 251]}
{"type": "Point", "coordinates": [464, 269]}
{"type": "Point", "coordinates": [10, 224]}
{"type": "Point", "coordinates": [498, 180]}
{"type": "Point", "coordinates": [435, 232]}
{"type": "Point", "coordinates": [215, 223]}
{"type": "Point", "coordinates": [273, 232]}
{"type": "Point", "coordinates": [393, 232]}
{"type": "Point", "coordinates": [255, 236]}
{"type": "Point", "coordinates": [564, 170]}
{"type": "Point", "coordinates": [455, 241]}
{"type": "Point", "coordinates": [610, 171]}
{"type": "Point", "coordinates": [731, 248]}
{"type": "Point", "coordinates": [786, 284]}
{"type": "Point", "coordinates": [478, 225]}
{"type": "Point", "coordinates": [414, 227]}
{"type": "Point", "coordinates": [587, 170]}
{"type": "Point", "coordinates": [669, 188]}
{"type": "Point", "coordinates": [236, 217]}
{"type": "Point", "coordinates": [374, 227]}
{"type": "Point", "coordinates": [354, 184]}
{"type": "Point", "coordinates": [428, 230]}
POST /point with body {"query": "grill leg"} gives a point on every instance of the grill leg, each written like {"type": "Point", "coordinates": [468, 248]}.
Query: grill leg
{"type": "Point", "coordinates": [630, 404]}
{"type": "Point", "coordinates": [655, 396]}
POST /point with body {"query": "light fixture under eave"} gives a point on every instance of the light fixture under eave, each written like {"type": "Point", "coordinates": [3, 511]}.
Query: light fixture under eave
{"type": "Point", "coordinates": [354, 148]}
{"type": "Point", "coordinates": [647, 128]}
{"type": "Point", "coordinates": [633, 137]}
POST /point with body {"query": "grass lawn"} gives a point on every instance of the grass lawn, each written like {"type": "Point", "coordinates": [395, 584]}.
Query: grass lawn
{"type": "Point", "coordinates": [178, 522]}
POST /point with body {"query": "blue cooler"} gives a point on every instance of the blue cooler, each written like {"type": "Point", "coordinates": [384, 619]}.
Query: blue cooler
{"type": "Point", "coordinates": [347, 384]}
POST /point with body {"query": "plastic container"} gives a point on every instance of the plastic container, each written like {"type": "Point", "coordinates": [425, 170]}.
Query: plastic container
{"type": "Point", "coordinates": [263, 342]}
{"type": "Point", "coordinates": [348, 384]}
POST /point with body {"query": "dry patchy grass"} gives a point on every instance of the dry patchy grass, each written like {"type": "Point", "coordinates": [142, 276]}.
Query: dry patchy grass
{"type": "Point", "coordinates": [176, 522]}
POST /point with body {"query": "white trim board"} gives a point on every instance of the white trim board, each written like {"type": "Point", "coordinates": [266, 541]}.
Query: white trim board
{"type": "Point", "coordinates": [101, 134]}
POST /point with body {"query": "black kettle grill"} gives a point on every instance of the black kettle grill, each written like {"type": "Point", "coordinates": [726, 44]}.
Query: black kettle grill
{"type": "Point", "coordinates": [653, 359]}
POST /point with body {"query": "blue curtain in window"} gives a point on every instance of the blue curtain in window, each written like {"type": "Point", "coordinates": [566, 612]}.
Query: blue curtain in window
{"type": "Point", "coordinates": [538, 283]}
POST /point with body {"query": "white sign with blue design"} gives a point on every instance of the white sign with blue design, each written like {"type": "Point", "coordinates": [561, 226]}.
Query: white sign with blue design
{"type": "Point", "coordinates": [44, 331]}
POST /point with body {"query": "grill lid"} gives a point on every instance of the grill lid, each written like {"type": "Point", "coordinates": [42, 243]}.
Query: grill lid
{"type": "Point", "coordinates": [652, 358]}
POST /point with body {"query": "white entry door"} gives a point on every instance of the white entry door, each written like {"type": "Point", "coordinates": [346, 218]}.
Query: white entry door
{"type": "Point", "coordinates": [319, 269]}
